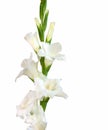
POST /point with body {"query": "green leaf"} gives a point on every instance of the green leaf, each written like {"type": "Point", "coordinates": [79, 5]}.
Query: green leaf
{"type": "Point", "coordinates": [44, 102]}
{"type": "Point", "coordinates": [48, 68]}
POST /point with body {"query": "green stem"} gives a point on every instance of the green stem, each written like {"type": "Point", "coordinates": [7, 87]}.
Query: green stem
{"type": "Point", "coordinates": [43, 13]}
{"type": "Point", "coordinates": [41, 30]}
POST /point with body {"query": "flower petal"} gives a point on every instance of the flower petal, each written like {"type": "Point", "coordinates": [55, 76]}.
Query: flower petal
{"type": "Point", "coordinates": [60, 57]}
{"type": "Point", "coordinates": [54, 49]}
{"type": "Point", "coordinates": [32, 39]}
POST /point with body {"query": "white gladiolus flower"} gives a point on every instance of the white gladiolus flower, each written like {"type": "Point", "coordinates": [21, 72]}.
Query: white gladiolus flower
{"type": "Point", "coordinates": [33, 106]}
{"type": "Point", "coordinates": [50, 87]}
{"type": "Point", "coordinates": [36, 114]}
{"type": "Point", "coordinates": [30, 108]}
{"type": "Point", "coordinates": [30, 69]}
{"type": "Point", "coordinates": [51, 51]}
{"type": "Point", "coordinates": [32, 39]}
{"type": "Point", "coordinates": [27, 104]}
{"type": "Point", "coordinates": [32, 112]}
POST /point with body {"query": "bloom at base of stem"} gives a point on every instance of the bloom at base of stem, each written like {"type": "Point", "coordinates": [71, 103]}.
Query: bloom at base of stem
{"type": "Point", "coordinates": [32, 112]}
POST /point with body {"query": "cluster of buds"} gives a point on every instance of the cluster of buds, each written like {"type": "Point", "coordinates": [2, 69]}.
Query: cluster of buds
{"type": "Point", "coordinates": [32, 108]}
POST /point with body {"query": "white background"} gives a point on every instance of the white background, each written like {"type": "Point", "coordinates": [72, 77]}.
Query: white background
{"type": "Point", "coordinates": [82, 29]}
